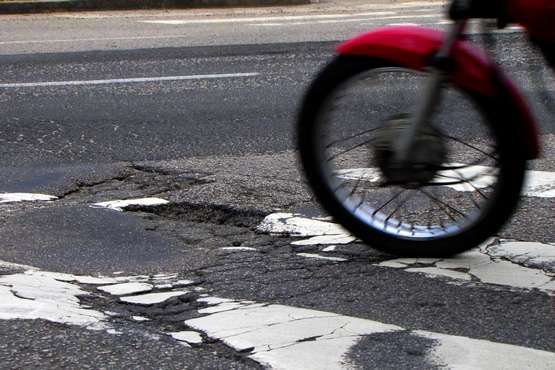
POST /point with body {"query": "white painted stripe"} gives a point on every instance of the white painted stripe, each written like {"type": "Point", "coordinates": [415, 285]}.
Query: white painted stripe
{"type": "Point", "coordinates": [126, 288]}
{"type": "Point", "coordinates": [513, 264]}
{"type": "Point", "coordinates": [128, 80]}
{"type": "Point", "coordinates": [40, 295]}
{"type": "Point", "coordinates": [174, 22]}
{"type": "Point", "coordinates": [326, 239]}
{"type": "Point", "coordinates": [539, 184]}
{"type": "Point", "coordinates": [297, 225]}
{"type": "Point", "coordinates": [120, 205]}
{"type": "Point", "coordinates": [151, 298]}
{"type": "Point", "coordinates": [239, 249]}
{"type": "Point", "coordinates": [15, 266]}
{"type": "Point", "coordinates": [91, 39]}
{"type": "Point", "coordinates": [317, 256]}
{"type": "Point", "coordinates": [285, 337]}
{"type": "Point", "coordinates": [331, 21]}
{"type": "Point", "coordinates": [25, 197]}
{"type": "Point", "coordinates": [354, 20]}
{"type": "Point", "coordinates": [191, 337]}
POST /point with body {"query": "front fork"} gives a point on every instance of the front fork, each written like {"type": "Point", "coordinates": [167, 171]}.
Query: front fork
{"type": "Point", "coordinates": [432, 97]}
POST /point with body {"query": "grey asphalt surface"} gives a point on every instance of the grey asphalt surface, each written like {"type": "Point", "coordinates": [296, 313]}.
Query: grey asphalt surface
{"type": "Point", "coordinates": [223, 152]}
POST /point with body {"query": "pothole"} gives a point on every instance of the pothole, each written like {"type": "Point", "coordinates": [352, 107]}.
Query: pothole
{"type": "Point", "coordinates": [205, 213]}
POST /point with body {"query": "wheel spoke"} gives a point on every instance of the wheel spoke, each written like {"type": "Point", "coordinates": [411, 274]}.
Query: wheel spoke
{"type": "Point", "coordinates": [351, 137]}
{"type": "Point", "coordinates": [389, 201]}
{"type": "Point", "coordinates": [447, 206]}
{"type": "Point", "coordinates": [334, 156]}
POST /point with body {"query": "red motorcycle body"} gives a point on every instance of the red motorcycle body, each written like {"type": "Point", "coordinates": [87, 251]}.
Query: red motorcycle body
{"type": "Point", "coordinates": [413, 48]}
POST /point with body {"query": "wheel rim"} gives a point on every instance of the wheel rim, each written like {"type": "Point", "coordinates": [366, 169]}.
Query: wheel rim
{"type": "Point", "coordinates": [465, 183]}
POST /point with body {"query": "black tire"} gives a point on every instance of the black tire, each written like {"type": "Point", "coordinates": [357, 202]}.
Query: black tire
{"type": "Point", "coordinates": [505, 194]}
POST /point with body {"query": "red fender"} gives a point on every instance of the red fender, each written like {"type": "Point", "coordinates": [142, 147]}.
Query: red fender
{"type": "Point", "coordinates": [412, 47]}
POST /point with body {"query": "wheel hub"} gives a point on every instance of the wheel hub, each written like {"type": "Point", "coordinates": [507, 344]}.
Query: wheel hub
{"type": "Point", "coordinates": [427, 156]}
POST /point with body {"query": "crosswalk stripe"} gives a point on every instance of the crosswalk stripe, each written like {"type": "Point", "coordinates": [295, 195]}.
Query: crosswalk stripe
{"type": "Point", "coordinates": [25, 197]}
{"type": "Point", "coordinates": [523, 265]}
{"type": "Point", "coordinates": [286, 337]}
{"type": "Point", "coordinates": [539, 184]}
{"type": "Point", "coordinates": [274, 335]}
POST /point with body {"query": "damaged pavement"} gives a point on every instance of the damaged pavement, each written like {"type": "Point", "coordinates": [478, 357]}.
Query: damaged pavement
{"type": "Point", "coordinates": [159, 273]}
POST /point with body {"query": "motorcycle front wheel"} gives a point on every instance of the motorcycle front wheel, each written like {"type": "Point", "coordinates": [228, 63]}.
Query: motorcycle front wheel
{"type": "Point", "coordinates": [466, 178]}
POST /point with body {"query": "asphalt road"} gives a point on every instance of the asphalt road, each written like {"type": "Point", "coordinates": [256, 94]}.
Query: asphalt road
{"type": "Point", "coordinates": [199, 110]}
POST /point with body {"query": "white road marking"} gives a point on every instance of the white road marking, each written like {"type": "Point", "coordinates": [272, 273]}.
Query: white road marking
{"type": "Point", "coordinates": [539, 184]}
{"type": "Point", "coordinates": [466, 353]}
{"type": "Point", "coordinates": [326, 239]}
{"type": "Point", "coordinates": [120, 205]}
{"type": "Point", "coordinates": [174, 22]}
{"type": "Point", "coordinates": [297, 225]}
{"type": "Point", "coordinates": [513, 264]}
{"type": "Point", "coordinates": [528, 254]}
{"type": "Point", "coordinates": [190, 337]}
{"type": "Point", "coordinates": [317, 256]}
{"type": "Point", "coordinates": [91, 280]}
{"type": "Point", "coordinates": [127, 80]}
{"type": "Point", "coordinates": [126, 288]}
{"type": "Point", "coordinates": [140, 318]}
{"type": "Point", "coordinates": [151, 298]}
{"type": "Point", "coordinates": [40, 295]}
{"type": "Point", "coordinates": [25, 197]}
{"type": "Point", "coordinates": [285, 337]}
{"type": "Point", "coordinates": [92, 39]}
{"type": "Point", "coordinates": [239, 249]}
{"type": "Point", "coordinates": [364, 21]}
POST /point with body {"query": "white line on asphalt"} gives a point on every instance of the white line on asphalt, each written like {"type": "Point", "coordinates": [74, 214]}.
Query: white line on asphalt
{"type": "Point", "coordinates": [15, 42]}
{"type": "Point", "coordinates": [175, 22]}
{"type": "Point", "coordinates": [540, 184]}
{"type": "Point", "coordinates": [25, 197]}
{"type": "Point", "coordinates": [523, 265]}
{"type": "Point", "coordinates": [120, 205]}
{"type": "Point", "coordinates": [365, 20]}
{"type": "Point", "coordinates": [286, 337]}
{"type": "Point", "coordinates": [127, 80]}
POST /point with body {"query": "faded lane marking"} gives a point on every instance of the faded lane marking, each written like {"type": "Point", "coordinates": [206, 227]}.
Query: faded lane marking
{"type": "Point", "coordinates": [330, 21]}
{"type": "Point", "coordinates": [53, 296]}
{"type": "Point", "coordinates": [40, 295]}
{"type": "Point", "coordinates": [25, 197]}
{"type": "Point", "coordinates": [523, 265]}
{"type": "Point", "coordinates": [127, 80]}
{"type": "Point", "coordinates": [120, 205]}
{"type": "Point", "coordinates": [174, 22]}
{"type": "Point", "coordinates": [152, 298]}
{"type": "Point", "coordinates": [540, 184]}
{"type": "Point", "coordinates": [317, 256]}
{"type": "Point", "coordinates": [286, 337]}
{"type": "Point", "coordinates": [126, 288]}
{"type": "Point", "coordinates": [53, 41]}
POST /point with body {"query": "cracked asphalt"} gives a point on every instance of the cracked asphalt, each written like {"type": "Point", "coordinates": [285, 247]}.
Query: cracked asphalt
{"type": "Point", "coordinates": [222, 153]}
